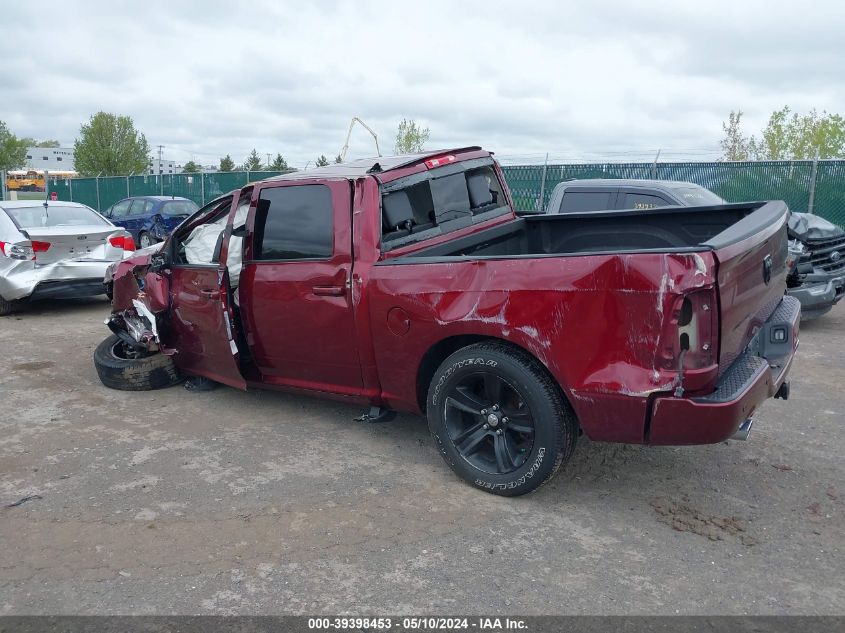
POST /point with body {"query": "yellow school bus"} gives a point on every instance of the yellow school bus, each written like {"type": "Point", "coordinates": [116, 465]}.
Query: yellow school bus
{"type": "Point", "coordinates": [33, 179]}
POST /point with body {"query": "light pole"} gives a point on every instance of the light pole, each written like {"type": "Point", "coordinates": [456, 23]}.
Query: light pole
{"type": "Point", "coordinates": [160, 172]}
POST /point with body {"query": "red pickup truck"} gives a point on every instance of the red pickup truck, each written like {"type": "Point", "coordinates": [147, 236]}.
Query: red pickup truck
{"type": "Point", "coordinates": [408, 283]}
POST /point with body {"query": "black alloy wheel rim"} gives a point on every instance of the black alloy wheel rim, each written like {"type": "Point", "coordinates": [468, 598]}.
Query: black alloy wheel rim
{"type": "Point", "coordinates": [489, 423]}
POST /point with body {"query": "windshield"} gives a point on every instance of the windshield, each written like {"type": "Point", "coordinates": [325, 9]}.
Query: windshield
{"type": "Point", "coordinates": [38, 216]}
{"type": "Point", "coordinates": [695, 196]}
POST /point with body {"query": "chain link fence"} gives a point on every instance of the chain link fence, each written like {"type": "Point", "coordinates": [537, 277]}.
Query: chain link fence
{"type": "Point", "coordinates": [805, 185]}
{"type": "Point", "coordinates": [814, 186]}
{"type": "Point", "coordinates": [101, 193]}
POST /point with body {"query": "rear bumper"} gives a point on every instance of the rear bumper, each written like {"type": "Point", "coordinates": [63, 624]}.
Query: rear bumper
{"type": "Point", "coordinates": [69, 289]}
{"type": "Point", "coordinates": [63, 279]}
{"type": "Point", "coordinates": [753, 378]}
{"type": "Point", "coordinates": [817, 297]}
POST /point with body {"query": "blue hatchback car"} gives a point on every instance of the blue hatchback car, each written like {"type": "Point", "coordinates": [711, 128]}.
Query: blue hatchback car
{"type": "Point", "coordinates": [150, 219]}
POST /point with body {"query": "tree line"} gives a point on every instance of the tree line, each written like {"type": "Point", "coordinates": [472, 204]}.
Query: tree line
{"type": "Point", "coordinates": [788, 135]}
{"type": "Point", "coordinates": [110, 145]}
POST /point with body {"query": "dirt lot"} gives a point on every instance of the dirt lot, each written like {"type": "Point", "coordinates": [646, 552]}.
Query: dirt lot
{"type": "Point", "coordinates": [229, 502]}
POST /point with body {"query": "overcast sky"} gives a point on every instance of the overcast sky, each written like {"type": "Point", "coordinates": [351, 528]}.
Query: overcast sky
{"type": "Point", "coordinates": [577, 80]}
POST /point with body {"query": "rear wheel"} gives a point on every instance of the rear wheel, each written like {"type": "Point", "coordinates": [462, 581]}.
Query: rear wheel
{"type": "Point", "coordinates": [121, 367]}
{"type": "Point", "coordinates": [499, 420]}
{"type": "Point", "coordinates": [145, 240]}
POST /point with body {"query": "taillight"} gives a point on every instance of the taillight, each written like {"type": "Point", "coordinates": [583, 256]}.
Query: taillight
{"type": "Point", "coordinates": [23, 252]}
{"type": "Point", "coordinates": [431, 163]}
{"type": "Point", "coordinates": [124, 242]}
{"type": "Point", "coordinates": [690, 341]}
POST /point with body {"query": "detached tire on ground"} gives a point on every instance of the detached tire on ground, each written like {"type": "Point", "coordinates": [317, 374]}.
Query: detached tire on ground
{"type": "Point", "coordinates": [499, 420]}
{"type": "Point", "coordinates": [118, 370]}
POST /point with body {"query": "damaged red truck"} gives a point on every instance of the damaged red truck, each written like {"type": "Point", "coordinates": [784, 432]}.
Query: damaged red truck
{"type": "Point", "coordinates": [409, 284]}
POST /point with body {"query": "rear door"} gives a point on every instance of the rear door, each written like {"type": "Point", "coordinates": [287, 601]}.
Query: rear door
{"type": "Point", "coordinates": [200, 325]}
{"type": "Point", "coordinates": [295, 286]}
{"type": "Point", "coordinates": [751, 258]}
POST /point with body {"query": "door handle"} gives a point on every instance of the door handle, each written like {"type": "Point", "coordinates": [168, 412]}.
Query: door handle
{"type": "Point", "coordinates": [211, 294]}
{"type": "Point", "coordinates": [329, 291]}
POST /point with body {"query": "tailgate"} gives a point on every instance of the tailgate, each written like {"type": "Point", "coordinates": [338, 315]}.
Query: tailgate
{"type": "Point", "coordinates": [72, 242]}
{"type": "Point", "coordinates": [751, 264]}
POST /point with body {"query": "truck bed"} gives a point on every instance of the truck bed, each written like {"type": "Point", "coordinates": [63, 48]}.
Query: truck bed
{"type": "Point", "coordinates": [675, 229]}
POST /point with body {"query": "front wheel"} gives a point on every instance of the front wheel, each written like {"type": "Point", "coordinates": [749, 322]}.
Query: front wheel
{"type": "Point", "coordinates": [121, 367]}
{"type": "Point", "coordinates": [499, 420]}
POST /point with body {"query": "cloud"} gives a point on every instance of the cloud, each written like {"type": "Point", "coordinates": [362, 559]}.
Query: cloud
{"type": "Point", "coordinates": [206, 79]}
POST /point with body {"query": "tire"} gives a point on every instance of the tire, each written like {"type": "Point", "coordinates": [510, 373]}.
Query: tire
{"type": "Point", "coordinates": [117, 371]}
{"type": "Point", "coordinates": [145, 240]}
{"type": "Point", "coordinates": [7, 307]}
{"type": "Point", "coordinates": [511, 448]}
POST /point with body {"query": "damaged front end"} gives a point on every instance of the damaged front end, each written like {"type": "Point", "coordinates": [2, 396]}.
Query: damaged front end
{"type": "Point", "coordinates": [139, 297]}
{"type": "Point", "coordinates": [818, 278]}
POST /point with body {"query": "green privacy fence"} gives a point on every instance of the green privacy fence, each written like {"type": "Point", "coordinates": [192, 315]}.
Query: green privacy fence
{"type": "Point", "coordinates": [802, 184]}
{"type": "Point", "coordinates": [101, 193]}
{"type": "Point", "coordinates": [796, 182]}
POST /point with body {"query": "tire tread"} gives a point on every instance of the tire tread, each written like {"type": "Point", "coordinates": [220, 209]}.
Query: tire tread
{"type": "Point", "coordinates": [566, 424]}
{"type": "Point", "coordinates": [140, 374]}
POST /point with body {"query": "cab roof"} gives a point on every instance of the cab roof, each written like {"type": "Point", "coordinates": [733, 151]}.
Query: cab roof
{"type": "Point", "coordinates": [627, 182]}
{"type": "Point", "coordinates": [369, 166]}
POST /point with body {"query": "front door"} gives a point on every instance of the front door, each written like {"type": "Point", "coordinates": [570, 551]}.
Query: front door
{"type": "Point", "coordinates": [295, 294]}
{"type": "Point", "coordinates": [200, 326]}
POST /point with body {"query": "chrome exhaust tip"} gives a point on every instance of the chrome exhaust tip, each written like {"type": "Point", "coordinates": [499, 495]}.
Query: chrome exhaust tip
{"type": "Point", "coordinates": [743, 430]}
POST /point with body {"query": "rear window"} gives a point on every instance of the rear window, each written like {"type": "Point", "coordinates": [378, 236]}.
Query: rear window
{"type": "Point", "coordinates": [438, 201]}
{"type": "Point", "coordinates": [141, 207]}
{"type": "Point", "coordinates": [38, 216]}
{"type": "Point", "coordinates": [582, 201]}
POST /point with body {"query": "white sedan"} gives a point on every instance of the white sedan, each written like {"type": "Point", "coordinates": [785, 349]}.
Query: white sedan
{"type": "Point", "coordinates": [55, 250]}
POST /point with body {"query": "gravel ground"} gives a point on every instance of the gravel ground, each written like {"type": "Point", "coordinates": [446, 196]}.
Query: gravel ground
{"type": "Point", "coordinates": [174, 502]}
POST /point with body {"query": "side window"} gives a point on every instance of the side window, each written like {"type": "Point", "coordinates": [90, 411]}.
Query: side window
{"type": "Point", "coordinates": [293, 223]}
{"type": "Point", "coordinates": [177, 208]}
{"type": "Point", "coordinates": [140, 207]}
{"type": "Point", "coordinates": [643, 201]}
{"type": "Point", "coordinates": [120, 210]}
{"type": "Point", "coordinates": [582, 201]}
